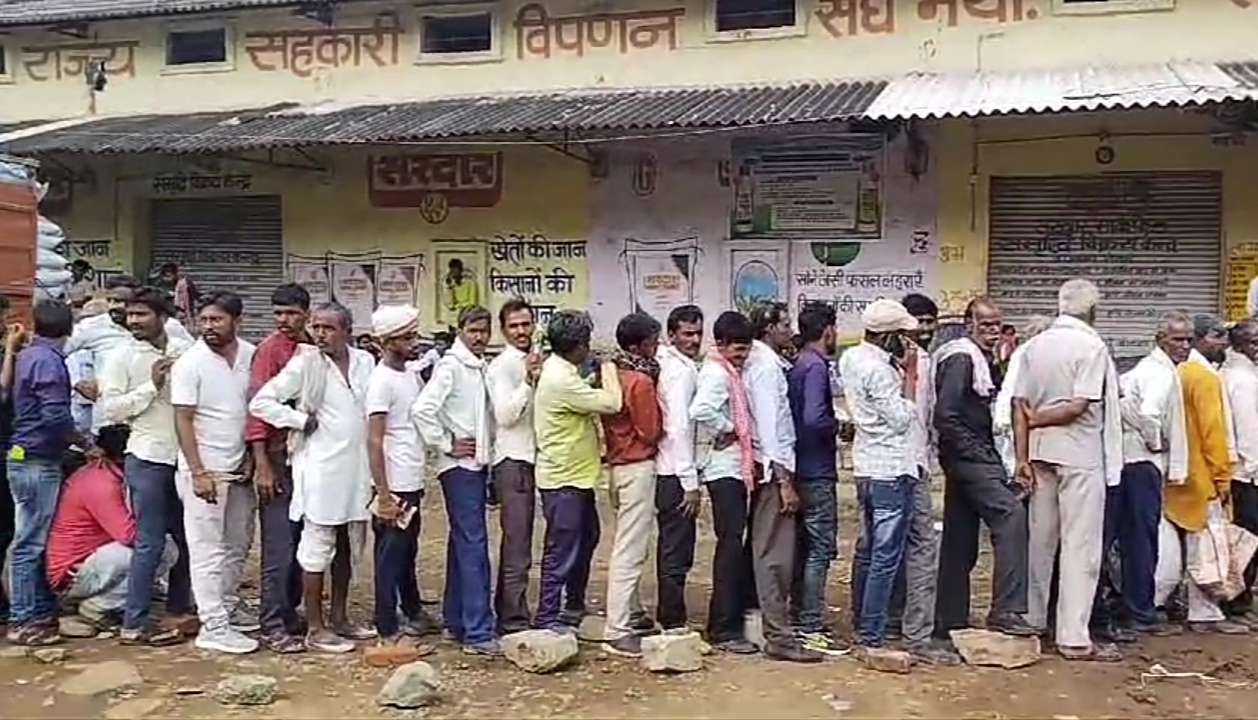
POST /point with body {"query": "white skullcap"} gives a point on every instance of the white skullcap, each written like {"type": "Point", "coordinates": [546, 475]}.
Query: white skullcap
{"type": "Point", "coordinates": [390, 320]}
{"type": "Point", "coordinates": [882, 316]}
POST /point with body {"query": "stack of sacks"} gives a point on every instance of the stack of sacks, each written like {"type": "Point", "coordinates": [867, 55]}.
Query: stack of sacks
{"type": "Point", "coordinates": [52, 273]}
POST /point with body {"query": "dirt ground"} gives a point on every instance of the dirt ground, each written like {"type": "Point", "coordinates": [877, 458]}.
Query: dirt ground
{"type": "Point", "coordinates": [176, 681]}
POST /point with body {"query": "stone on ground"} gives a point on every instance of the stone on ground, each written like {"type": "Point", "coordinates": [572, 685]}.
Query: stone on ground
{"type": "Point", "coordinates": [73, 627]}
{"type": "Point", "coordinates": [540, 651]}
{"type": "Point", "coordinates": [50, 655]}
{"type": "Point", "coordinates": [384, 656]}
{"type": "Point", "coordinates": [887, 660]}
{"type": "Point", "coordinates": [246, 690]}
{"type": "Point", "coordinates": [102, 677]}
{"type": "Point", "coordinates": [673, 653]}
{"type": "Point", "coordinates": [414, 685]}
{"type": "Point", "coordinates": [988, 647]}
{"type": "Point", "coordinates": [133, 709]}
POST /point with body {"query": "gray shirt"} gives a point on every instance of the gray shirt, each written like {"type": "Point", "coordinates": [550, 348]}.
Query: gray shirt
{"type": "Point", "coordinates": [1065, 362]}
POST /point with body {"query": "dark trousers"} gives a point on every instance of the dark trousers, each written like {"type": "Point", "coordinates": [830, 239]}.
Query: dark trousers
{"type": "Point", "coordinates": [1133, 513]}
{"type": "Point", "coordinates": [158, 512]}
{"type": "Point", "coordinates": [7, 519]}
{"type": "Point", "coordinates": [466, 605]}
{"type": "Point", "coordinates": [396, 585]}
{"type": "Point", "coordinates": [733, 586]}
{"type": "Point", "coordinates": [675, 552]}
{"type": "Point", "coordinates": [976, 493]}
{"type": "Point", "coordinates": [1244, 514]}
{"type": "Point", "coordinates": [816, 547]}
{"type": "Point", "coordinates": [281, 575]}
{"type": "Point", "coordinates": [773, 538]}
{"type": "Point", "coordinates": [572, 533]}
{"type": "Point", "coordinates": [517, 496]}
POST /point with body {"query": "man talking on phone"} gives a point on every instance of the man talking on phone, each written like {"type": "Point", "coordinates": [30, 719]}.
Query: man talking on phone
{"type": "Point", "coordinates": [879, 382]}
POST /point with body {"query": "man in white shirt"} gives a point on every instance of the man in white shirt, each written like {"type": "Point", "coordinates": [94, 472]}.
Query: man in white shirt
{"type": "Point", "coordinates": [880, 383]}
{"type": "Point", "coordinates": [677, 481]}
{"type": "Point", "coordinates": [773, 527]}
{"type": "Point", "coordinates": [512, 378]}
{"type": "Point", "coordinates": [1153, 422]}
{"type": "Point", "coordinates": [454, 418]}
{"type": "Point", "coordinates": [133, 391]}
{"type": "Point", "coordinates": [328, 451]}
{"type": "Point", "coordinates": [1240, 377]}
{"type": "Point", "coordinates": [209, 386]}
{"type": "Point", "coordinates": [396, 454]}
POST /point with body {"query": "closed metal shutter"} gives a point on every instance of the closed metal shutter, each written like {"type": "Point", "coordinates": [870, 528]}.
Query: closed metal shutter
{"type": "Point", "coordinates": [1150, 241]}
{"type": "Point", "coordinates": [231, 244]}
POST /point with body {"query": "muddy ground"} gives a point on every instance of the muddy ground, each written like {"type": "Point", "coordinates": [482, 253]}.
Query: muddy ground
{"type": "Point", "coordinates": [175, 681]}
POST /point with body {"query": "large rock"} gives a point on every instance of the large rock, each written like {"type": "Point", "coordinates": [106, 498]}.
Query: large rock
{"type": "Point", "coordinates": [988, 647]}
{"type": "Point", "coordinates": [413, 685]}
{"type": "Point", "coordinates": [102, 677]}
{"type": "Point", "coordinates": [673, 653]}
{"type": "Point", "coordinates": [76, 627]}
{"type": "Point", "coordinates": [246, 690]}
{"type": "Point", "coordinates": [540, 651]}
{"type": "Point", "coordinates": [386, 656]}
{"type": "Point", "coordinates": [886, 660]}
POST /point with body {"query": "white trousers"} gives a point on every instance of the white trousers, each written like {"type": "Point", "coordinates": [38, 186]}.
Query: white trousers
{"type": "Point", "coordinates": [1171, 572]}
{"type": "Point", "coordinates": [632, 496]}
{"type": "Point", "coordinates": [317, 546]}
{"type": "Point", "coordinates": [219, 537]}
{"type": "Point", "coordinates": [1067, 509]}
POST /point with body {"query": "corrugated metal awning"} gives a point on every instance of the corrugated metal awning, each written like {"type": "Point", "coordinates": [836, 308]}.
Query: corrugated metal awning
{"type": "Point", "coordinates": [378, 123]}
{"type": "Point", "coordinates": [1173, 84]}
{"type": "Point", "coordinates": [40, 12]}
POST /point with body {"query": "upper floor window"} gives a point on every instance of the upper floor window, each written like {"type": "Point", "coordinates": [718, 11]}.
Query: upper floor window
{"type": "Point", "coordinates": [207, 46]}
{"type": "Point", "coordinates": [734, 15]}
{"type": "Point", "coordinates": [453, 34]}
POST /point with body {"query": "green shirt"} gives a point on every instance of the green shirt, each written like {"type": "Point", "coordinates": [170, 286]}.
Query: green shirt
{"type": "Point", "coordinates": [565, 410]}
{"type": "Point", "coordinates": [462, 296]}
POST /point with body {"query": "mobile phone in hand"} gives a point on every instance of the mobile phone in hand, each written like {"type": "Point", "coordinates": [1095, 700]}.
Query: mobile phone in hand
{"type": "Point", "coordinates": [406, 515]}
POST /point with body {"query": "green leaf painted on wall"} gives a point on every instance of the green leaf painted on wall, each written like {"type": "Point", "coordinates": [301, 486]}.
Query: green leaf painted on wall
{"type": "Point", "coordinates": [835, 254]}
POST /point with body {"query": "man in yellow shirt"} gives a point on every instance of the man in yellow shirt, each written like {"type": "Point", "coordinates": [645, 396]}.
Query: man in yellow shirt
{"type": "Point", "coordinates": [462, 293]}
{"type": "Point", "coordinates": [565, 410]}
{"type": "Point", "coordinates": [1207, 491]}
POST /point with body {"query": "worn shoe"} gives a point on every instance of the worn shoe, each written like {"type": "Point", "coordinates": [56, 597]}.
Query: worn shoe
{"type": "Point", "coordinates": [643, 625]}
{"type": "Point", "coordinates": [821, 642]}
{"type": "Point", "coordinates": [737, 646]}
{"type": "Point", "coordinates": [488, 649]}
{"type": "Point", "coordinates": [354, 632]}
{"type": "Point", "coordinates": [934, 653]}
{"type": "Point", "coordinates": [151, 637]}
{"type": "Point", "coordinates": [629, 646]}
{"type": "Point", "coordinates": [37, 634]}
{"type": "Point", "coordinates": [282, 643]}
{"type": "Point", "coordinates": [326, 641]}
{"type": "Point", "coordinates": [420, 625]}
{"type": "Point", "coordinates": [244, 620]}
{"type": "Point", "coordinates": [1113, 634]}
{"type": "Point", "coordinates": [225, 640]}
{"type": "Point", "coordinates": [1222, 627]}
{"type": "Point", "coordinates": [792, 653]}
{"type": "Point", "coordinates": [1012, 624]}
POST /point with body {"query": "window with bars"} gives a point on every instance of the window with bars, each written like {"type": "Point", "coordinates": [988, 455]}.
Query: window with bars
{"type": "Point", "coordinates": [456, 34]}
{"type": "Point", "coordinates": [734, 15]}
{"type": "Point", "coordinates": [196, 47]}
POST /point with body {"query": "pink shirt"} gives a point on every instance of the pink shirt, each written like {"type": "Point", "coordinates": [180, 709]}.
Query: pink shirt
{"type": "Point", "coordinates": [91, 513]}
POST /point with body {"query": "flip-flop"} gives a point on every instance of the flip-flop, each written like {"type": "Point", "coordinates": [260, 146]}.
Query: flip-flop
{"type": "Point", "coordinates": [160, 637]}
{"type": "Point", "coordinates": [284, 644]}
{"type": "Point", "coordinates": [328, 642]}
{"type": "Point", "coordinates": [1099, 652]}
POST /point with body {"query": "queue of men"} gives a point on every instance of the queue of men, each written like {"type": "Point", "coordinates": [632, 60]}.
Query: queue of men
{"type": "Point", "coordinates": [193, 446]}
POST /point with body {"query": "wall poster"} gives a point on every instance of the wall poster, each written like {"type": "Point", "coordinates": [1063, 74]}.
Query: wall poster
{"type": "Point", "coordinates": [359, 281]}
{"type": "Point", "coordinates": [817, 186]}
{"type": "Point", "coordinates": [758, 275]}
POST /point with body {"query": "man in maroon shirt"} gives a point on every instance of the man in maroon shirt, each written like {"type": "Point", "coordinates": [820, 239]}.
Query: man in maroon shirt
{"type": "Point", "coordinates": [90, 542]}
{"type": "Point", "coordinates": [282, 629]}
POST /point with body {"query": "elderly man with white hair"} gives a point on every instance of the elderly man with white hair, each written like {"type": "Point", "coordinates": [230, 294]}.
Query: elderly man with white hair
{"type": "Point", "coordinates": [1068, 443]}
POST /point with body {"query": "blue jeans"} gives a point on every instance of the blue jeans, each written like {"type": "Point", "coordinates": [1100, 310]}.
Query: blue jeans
{"type": "Point", "coordinates": [572, 533]}
{"type": "Point", "coordinates": [396, 583]}
{"type": "Point", "coordinates": [816, 546]}
{"type": "Point", "coordinates": [886, 504]}
{"type": "Point", "coordinates": [157, 510]}
{"type": "Point", "coordinates": [468, 615]}
{"type": "Point", "coordinates": [35, 484]}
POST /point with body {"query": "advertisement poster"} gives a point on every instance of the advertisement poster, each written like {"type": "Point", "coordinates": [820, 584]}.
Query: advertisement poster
{"type": "Point", "coordinates": [757, 276]}
{"type": "Point", "coordinates": [660, 282]}
{"type": "Point", "coordinates": [398, 282]}
{"type": "Point", "coordinates": [354, 286]}
{"type": "Point", "coordinates": [311, 274]}
{"type": "Point", "coordinates": [824, 186]}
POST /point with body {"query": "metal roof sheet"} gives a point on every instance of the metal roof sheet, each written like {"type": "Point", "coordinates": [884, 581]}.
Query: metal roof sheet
{"type": "Point", "coordinates": [287, 126]}
{"type": "Point", "coordinates": [43, 12]}
{"type": "Point", "coordinates": [1172, 84]}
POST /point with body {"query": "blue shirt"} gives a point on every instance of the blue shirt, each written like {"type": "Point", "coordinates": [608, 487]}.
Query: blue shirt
{"type": "Point", "coordinates": [42, 423]}
{"type": "Point", "coordinates": [812, 409]}
{"type": "Point", "coordinates": [79, 364]}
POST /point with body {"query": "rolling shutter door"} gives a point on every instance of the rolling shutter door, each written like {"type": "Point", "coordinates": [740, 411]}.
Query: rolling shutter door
{"type": "Point", "coordinates": [231, 244]}
{"type": "Point", "coordinates": [1150, 241]}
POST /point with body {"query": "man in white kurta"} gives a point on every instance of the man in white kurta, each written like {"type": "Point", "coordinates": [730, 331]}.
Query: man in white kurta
{"type": "Point", "coordinates": [328, 447]}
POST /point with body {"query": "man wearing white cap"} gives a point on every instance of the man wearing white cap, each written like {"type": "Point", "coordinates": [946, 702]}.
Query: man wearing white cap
{"type": "Point", "coordinates": [396, 455]}
{"type": "Point", "coordinates": [879, 381]}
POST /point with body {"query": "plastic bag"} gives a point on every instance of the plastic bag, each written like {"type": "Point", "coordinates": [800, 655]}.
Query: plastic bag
{"type": "Point", "coordinates": [50, 228]}
{"type": "Point", "coordinates": [1206, 553]}
{"type": "Point", "coordinates": [1241, 546]}
{"type": "Point", "coordinates": [50, 259]}
{"type": "Point", "coordinates": [15, 173]}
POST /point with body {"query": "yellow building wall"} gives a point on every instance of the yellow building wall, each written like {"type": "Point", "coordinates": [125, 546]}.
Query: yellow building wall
{"type": "Point", "coordinates": [833, 39]}
{"type": "Point", "coordinates": [971, 152]}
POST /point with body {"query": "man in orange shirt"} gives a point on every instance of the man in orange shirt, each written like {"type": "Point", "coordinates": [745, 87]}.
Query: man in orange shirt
{"type": "Point", "coordinates": [632, 437]}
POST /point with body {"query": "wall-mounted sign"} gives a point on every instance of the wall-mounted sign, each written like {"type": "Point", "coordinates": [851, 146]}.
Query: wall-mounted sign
{"type": "Point", "coordinates": [435, 182]}
{"type": "Point", "coordinates": [180, 183]}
